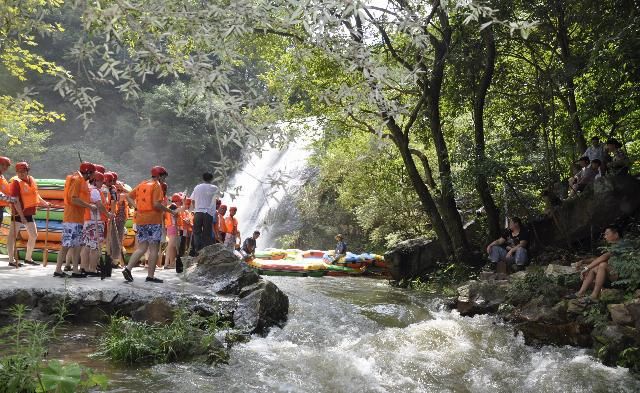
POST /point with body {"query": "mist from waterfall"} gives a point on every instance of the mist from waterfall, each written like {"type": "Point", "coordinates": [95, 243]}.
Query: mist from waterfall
{"type": "Point", "coordinates": [264, 181]}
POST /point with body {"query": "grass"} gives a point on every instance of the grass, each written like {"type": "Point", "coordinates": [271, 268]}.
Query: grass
{"type": "Point", "coordinates": [187, 336]}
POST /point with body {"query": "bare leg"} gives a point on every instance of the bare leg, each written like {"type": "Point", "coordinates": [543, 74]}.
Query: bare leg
{"type": "Point", "coordinates": [94, 257]}
{"type": "Point", "coordinates": [85, 259]}
{"type": "Point", "coordinates": [586, 283]}
{"type": "Point", "coordinates": [171, 252]}
{"type": "Point", "coordinates": [62, 257]}
{"type": "Point", "coordinates": [31, 243]}
{"type": "Point", "coordinates": [153, 253]}
{"type": "Point", "coordinates": [75, 258]}
{"type": "Point", "coordinates": [14, 229]}
{"type": "Point", "coordinates": [137, 254]}
{"type": "Point", "coordinates": [601, 277]}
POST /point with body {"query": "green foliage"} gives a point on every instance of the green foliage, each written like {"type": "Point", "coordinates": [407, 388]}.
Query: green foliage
{"type": "Point", "coordinates": [22, 368]}
{"type": "Point", "coordinates": [444, 280]}
{"type": "Point", "coordinates": [535, 284]}
{"type": "Point", "coordinates": [630, 358]}
{"type": "Point", "coordinates": [185, 337]}
{"type": "Point", "coordinates": [625, 260]}
{"type": "Point", "coordinates": [596, 315]}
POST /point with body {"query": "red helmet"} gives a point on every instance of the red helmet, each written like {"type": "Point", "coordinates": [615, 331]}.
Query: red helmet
{"type": "Point", "coordinates": [222, 207]}
{"type": "Point", "coordinates": [98, 176]}
{"type": "Point", "coordinates": [108, 177]}
{"type": "Point", "coordinates": [158, 171]}
{"type": "Point", "coordinates": [233, 209]}
{"type": "Point", "coordinates": [22, 166]}
{"type": "Point", "coordinates": [115, 175]}
{"type": "Point", "coordinates": [187, 202]}
{"type": "Point", "coordinates": [176, 197]}
{"type": "Point", "coordinates": [5, 160]}
{"type": "Point", "coordinates": [99, 168]}
{"type": "Point", "coordinates": [87, 167]}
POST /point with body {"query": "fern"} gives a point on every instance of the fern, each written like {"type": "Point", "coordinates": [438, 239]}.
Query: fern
{"type": "Point", "coordinates": [625, 260]}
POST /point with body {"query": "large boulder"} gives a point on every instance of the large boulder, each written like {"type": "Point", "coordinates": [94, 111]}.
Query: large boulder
{"type": "Point", "coordinates": [260, 306]}
{"type": "Point", "coordinates": [481, 297]}
{"type": "Point", "coordinates": [601, 203]}
{"type": "Point", "coordinates": [413, 258]}
{"type": "Point", "coordinates": [220, 269]}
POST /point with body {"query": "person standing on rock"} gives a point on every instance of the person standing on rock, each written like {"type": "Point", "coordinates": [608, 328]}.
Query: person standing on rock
{"type": "Point", "coordinates": [231, 228]}
{"type": "Point", "coordinates": [220, 227]}
{"type": "Point", "coordinates": [148, 199]}
{"type": "Point", "coordinates": [598, 271]}
{"type": "Point", "coordinates": [76, 200]}
{"type": "Point", "coordinates": [93, 230]}
{"type": "Point", "coordinates": [511, 247]}
{"type": "Point", "coordinates": [25, 189]}
{"type": "Point", "coordinates": [204, 198]}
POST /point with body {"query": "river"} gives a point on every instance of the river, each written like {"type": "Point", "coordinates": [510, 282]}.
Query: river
{"type": "Point", "coordinates": [361, 335]}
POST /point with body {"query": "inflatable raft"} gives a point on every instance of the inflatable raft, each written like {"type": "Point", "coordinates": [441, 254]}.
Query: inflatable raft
{"type": "Point", "coordinates": [313, 263]}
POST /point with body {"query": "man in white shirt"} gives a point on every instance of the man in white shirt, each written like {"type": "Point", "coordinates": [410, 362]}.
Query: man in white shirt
{"type": "Point", "coordinates": [597, 152]}
{"type": "Point", "coordinates": [204, 207]}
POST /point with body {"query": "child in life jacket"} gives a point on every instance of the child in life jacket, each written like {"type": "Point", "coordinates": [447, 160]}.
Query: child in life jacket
{"type": "Point", "coordinates": [173, 227]}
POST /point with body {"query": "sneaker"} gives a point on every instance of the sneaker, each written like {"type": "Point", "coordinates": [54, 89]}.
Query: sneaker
{"type": "Point", "coordinates": [67, 268]}
{"type": "Point", "coordinates": [61, 274]}
{"type": "Point", "coordinates": [78, 275]}
{"type": "Point", "coordinates": [92, 274]}
{"type": "Point", "coordinates": [127, 274]}
{"type": "Point", "coordinates": [30, 262]}
{"type": "Point", "coordinates": [153, 279]}
{"type": "Point", "coordinates": [16, 264]}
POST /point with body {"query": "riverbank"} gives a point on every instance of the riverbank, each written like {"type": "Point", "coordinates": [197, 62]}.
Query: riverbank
{"type": "Point", "coordinates": [533, 301]}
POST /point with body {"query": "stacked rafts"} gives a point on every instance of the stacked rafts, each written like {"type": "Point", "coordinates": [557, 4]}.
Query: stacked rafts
{"type": "Point", "coordinates": [315, 263]}
{"type": "Point", "coordinates": [49, 230]}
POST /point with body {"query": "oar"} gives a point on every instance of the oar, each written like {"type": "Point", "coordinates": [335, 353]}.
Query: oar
{"type": "Point", "coordinates": [45, 254]}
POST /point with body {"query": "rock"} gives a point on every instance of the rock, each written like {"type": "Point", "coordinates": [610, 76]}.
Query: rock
{"type": "Point", "coordinates": [481, 297]}
{"type": "Point", "coordinates": [518, 275]}
{"type": "Point", "coordinates": [261, 305]}
{"type": "Point", "coordinates": [619, 314]}
{"type": "Point", "coordinates": [221, 270]}
{"type": "Point", "coordinates": [611, 340]}
{"type": "Point", "coordinates": [601, 203]}
{"type": "Point", "coordinates": [413, 258]}
{"type": "Point", "coordinates": [576, 306]}
{"type": "Point", "coordinates": [634, 311]}
{"type": "Point", "coordinates": [537, 311]}
{"type": "Point", "coordinates": [636, 294]}
{"type": "Point", "coordinates": [558, 270]}
{"type": "Point", "coordinates": [156, 311]}
{"type": "Point", "coordinates": [570, 333]}
{"type": "Point", "coordinates": [609, 295]}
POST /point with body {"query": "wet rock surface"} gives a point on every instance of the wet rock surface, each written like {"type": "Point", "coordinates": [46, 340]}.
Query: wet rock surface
{"type": "Point", "coordinates": [216, 282]}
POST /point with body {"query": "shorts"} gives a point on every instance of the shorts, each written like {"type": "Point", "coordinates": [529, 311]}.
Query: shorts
{"type": "Point", "coordinates": [92, 236]}
{"type": "Point", "coordinates": [172, 230]}
{"type": "Point", "coordinates": [71, 234]}
{"type": "Point", "coordinates": [28, 218]}
{"type": "Point", "coordinates": [151, 233]}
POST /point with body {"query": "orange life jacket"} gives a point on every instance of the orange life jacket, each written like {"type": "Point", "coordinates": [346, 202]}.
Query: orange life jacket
{"type": "Point", "coordinates": [231, 224]}
{"type": "Point", "coordinates": [5, 189]}
{"type": "Point", "coordinates": [144, 194]}
{"type": "Point", "coordinates": [28, 193]}
{"type": "Point", "coordinates": [87, 212]}
{"type": "Point", "coordinates": [84, 189]}
{"type": "Point", "coordinates": [122, 203]}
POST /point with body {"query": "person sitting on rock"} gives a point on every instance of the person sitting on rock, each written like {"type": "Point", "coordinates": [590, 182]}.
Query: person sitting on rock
{"type": "Point", "coordinates": [591, 173]}
{"type": "Point", "coordinates": [619, 162]}
{"type": "Point", "coordinates": [511, 246]}
{"type": "Point", "coordinates": [598, 271]}
{"type": "Point", "coordinates": [579, 181]}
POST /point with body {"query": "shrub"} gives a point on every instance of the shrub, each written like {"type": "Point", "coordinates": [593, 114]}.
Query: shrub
{"type": "Point", "coordinates": [625, 260]}
{"type": "Point", "coordinates": [535, 284]}
{"type": "Point", "coordinates": [131, 342]}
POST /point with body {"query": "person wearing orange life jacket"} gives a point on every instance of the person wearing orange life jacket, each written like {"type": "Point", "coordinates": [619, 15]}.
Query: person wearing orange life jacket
{"type": "Point", "coordinates": [122, 213]}
{"type": "Point", "coordinates": [173, 225]}
{"type": "Point", "coordinates": [147, 198]}
{"type": "Point", "coordinates": [93, 229]}
{"type": "Point", "coordinates": [6, 200]}
{"type": "Point", "coordinates": [232, 234]}
{"type": "Point", "coordinates": [76, 200]}
{"type": "Point", "coordinates": [221, 224]}
{"type": "Point", "coordinates": [25, 188]}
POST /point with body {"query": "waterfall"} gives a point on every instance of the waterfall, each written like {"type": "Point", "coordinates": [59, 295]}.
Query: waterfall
{"type": "Point", "coordinates": [260, 186]}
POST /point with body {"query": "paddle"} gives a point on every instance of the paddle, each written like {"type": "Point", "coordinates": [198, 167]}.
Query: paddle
{"type": "Point", "coordinates": [45, 254]}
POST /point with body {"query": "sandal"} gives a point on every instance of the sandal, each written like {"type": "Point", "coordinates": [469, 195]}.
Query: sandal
{"type": "Point", "coordinates": [30, 262]}
{"type": "Point", "coordinates": [61, 274]}
{"type": "Point", "coordinates": [16, 264]}
{"type": "Point", "coordinates": [78, 275]}
{"type": "Point", "coordinates": [153, 279]}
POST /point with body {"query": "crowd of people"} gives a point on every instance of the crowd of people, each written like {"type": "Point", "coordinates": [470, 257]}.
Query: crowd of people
{"type": "Point", "coordinates": [96, 208]}
{"type": "Point", "coordinates": [510, 250]}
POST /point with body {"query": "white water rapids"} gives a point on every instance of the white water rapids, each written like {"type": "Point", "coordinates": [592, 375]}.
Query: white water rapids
{"type": "Point", "coordinates": [361, 335]}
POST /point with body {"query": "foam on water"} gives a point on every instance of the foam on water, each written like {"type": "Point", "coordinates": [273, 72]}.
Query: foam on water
{"type": "Point", "coordinates": [356, 335]}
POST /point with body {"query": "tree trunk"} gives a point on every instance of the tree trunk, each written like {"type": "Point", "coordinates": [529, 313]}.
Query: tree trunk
{"type": "Point", "coordinates": [482, 185]}
{"type": "Point", "coordinates": [562, 35]}
{"type": "Point", "coordinates": [423, 192]}
{"type": "Point", "coordinates": [448, 207]}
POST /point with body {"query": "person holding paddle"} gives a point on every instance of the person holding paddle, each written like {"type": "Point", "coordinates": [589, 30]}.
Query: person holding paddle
{"type": "Point", "coordinates": [25, 189]}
